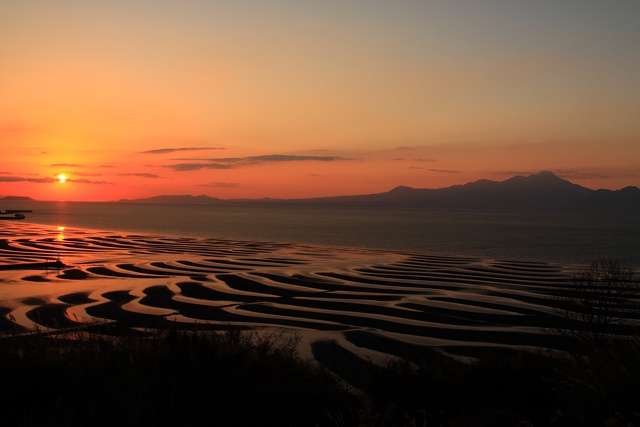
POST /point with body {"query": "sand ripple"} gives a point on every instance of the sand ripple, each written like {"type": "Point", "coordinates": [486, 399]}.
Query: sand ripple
{"type": "Point", "coordinates": [350, 300]}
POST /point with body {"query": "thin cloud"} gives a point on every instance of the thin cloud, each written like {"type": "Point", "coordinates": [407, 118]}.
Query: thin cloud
{"type": "Point", "coordinates": [404, 159]}
{"type": "Point", "coordinates": [581, 174]}
{"type": "Point", "coordinates": [49, 180]}
{"type": "Point", "coordinates": [66, 165]}
{"type": "Point", "coordinates": [269, 158]}
{"type": "Point", "coordinates": [140, 174]}
{"type": "Point", "coordinates": [221, 185]}
{"type": "Point", "coordinates": [291, 158]}
{"type": "Point", "coordinates": [444, 171]}
{"type": "Point", "coordinates": [184, 167]}
{"type": "Point", "coordinates": [46, 180]}
{"type": "Point", "coordinates": [173, 150]}
{"type": "Point", "coordinates": [233, 162]}
{"type": "Point", "coordinates": [87, 174]}
{"type": "Point", "coordinates": [86, 181]}
{"type": "Point", "coordinates": [11, 179]}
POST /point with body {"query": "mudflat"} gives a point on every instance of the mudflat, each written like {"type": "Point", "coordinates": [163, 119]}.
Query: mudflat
{"type": "Point", "coordinates": [370, 304]}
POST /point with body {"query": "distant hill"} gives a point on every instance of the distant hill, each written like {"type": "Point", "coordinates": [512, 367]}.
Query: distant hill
{"type": "Point", "coordinates": [539, 192]}
{"type": "Point", "coordinates": [18, 198]}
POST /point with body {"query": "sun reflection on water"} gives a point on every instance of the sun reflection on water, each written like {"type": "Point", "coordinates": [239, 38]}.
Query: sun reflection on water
{"type": "Point", "coordinates": [60, 237]}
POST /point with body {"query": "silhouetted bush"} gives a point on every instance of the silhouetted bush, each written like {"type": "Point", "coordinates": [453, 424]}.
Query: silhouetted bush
{"type": "Point", "coordinates": [234, 378]}
{"type": "Point", "coordinates": [598, 301]}
{"type": "Point", "coordinates": [519, 388]}
{"type": "Point", "coordinates": [174, 378]}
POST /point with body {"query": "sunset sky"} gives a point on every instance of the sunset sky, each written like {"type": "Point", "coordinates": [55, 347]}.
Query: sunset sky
{"type": "Point", "coordinates": [295, 98]}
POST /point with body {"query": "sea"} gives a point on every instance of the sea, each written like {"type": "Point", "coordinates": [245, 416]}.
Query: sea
{"type": "Point", "coordinates": [557, 237]}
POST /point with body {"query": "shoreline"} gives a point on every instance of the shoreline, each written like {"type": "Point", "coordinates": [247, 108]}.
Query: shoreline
{"type": "Point", "coordinates": [528, 236]}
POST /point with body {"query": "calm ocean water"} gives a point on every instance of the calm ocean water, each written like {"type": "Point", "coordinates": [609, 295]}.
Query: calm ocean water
{"type": "Point", "coordinates": [556, 237]}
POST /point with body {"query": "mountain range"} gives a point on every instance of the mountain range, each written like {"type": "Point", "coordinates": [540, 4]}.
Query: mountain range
{"type": "Point", "coordinates": [543, 191]}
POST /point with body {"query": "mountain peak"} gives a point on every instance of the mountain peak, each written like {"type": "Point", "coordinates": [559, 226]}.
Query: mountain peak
{"type": "Point", "coordinates": [401, 188]}
{"type": "Point", "coordinates": [547, 176]}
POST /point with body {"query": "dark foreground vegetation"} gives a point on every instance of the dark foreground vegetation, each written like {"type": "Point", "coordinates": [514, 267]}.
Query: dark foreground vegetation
{"type": "Point", "coordinates": [107, 375]}
{"type": "Point", "coordinates": [240, 379]}
{"type": "Point", "coordinates": [163, 379]}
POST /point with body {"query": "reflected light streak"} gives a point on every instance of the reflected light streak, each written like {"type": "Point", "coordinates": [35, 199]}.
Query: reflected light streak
{"type": "Point", "coordinates": [60, 237]}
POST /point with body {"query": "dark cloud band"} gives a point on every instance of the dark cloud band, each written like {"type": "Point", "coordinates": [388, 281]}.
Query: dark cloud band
{"type": "Point", "coordinates": [233, 162]}
{"type": "Point", "coordinates": [174, 150]}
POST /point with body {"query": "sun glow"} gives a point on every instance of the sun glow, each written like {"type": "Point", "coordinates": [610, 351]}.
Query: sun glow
{"type": "Point", "coordinates": [62, 178]}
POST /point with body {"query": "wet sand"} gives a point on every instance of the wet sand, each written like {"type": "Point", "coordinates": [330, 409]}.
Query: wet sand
{"type": "Point", "coordinates": [369, 304]}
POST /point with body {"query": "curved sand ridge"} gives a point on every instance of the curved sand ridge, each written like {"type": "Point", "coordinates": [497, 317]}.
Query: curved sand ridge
{"type": "Point", "coordinates": [363, 303]}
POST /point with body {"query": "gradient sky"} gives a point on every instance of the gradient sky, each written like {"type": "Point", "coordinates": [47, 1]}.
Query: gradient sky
{"type": "Point", "coordinates": [294, 98]}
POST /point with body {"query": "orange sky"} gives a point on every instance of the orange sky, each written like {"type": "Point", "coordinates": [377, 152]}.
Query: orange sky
{"type": "Point", "coordinates": [296, 99]}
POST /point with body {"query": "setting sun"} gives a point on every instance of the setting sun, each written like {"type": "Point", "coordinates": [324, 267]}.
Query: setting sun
{"type": "Point", "coordinates": [62, 178]}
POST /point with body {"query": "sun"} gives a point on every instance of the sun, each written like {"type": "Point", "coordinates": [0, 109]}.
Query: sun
{"type": "Point", "coordinates": [62, 178]}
